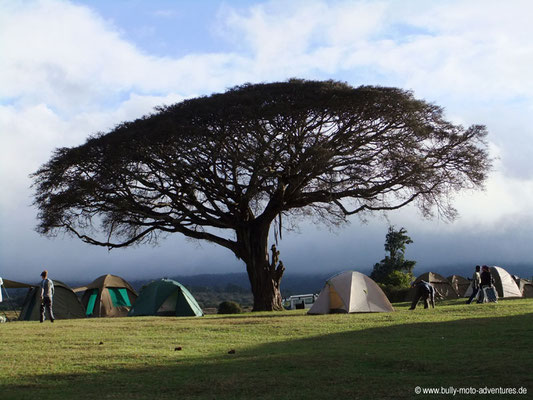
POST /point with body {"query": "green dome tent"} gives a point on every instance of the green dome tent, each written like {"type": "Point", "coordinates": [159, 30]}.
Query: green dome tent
{"type": "Point", "coordinates": [165, 297]}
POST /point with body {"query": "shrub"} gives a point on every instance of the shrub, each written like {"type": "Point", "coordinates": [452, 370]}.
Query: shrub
{"type": "Point", "coordinates": [395, 294]}
{"type": "Point", "coordinates": [229, 307]}
{"type": "Point", "coordinates": [399, 279]}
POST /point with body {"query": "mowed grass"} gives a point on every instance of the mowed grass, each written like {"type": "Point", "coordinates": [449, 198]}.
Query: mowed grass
{"type": "Point", "coordinates": [285, 355]}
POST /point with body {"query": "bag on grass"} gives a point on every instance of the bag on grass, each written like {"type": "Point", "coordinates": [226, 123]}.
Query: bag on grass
{"type": "Point", "coordinates": [490, 295]}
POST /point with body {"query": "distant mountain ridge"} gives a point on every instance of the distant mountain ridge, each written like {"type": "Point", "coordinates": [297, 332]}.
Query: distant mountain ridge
{"type": "Point", "coordinates": [290, 284]}
{"type": "Point", "coordinates": [299, 283]}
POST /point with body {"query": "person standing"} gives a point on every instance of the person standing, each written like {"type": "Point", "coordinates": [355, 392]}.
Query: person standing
{"type": "Point", "coordinates": [425, 291]}
{"type": "Point", "coordinates": [47, 293]}
{"type": "Point", "coordinates": [476, 282]}
{"type": "Point", "coordinates": [486, 280]}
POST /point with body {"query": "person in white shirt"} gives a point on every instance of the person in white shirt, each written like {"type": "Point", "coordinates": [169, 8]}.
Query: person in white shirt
{"type": "Point", "coordinates": [476, 283]}
{"type": "Point", "coordinates": [47, 293]}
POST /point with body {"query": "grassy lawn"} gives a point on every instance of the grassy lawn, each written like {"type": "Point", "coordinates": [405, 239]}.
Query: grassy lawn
{"type": "Point", "coordinates": [286, 355]}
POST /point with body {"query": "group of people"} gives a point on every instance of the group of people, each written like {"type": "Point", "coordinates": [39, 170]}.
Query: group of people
{"type": "Point", "coordinates": [425, 291]}
{"type": "Point", "coordinates": [480, 280]}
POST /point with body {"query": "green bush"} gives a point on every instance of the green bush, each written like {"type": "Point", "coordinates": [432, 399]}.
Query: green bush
{"type": "Point", "coordinates": [395, 294]}
{"type": "Point", "coordinates": [229, 307]}
{"type": "Point", "coordinates": [398, 279]}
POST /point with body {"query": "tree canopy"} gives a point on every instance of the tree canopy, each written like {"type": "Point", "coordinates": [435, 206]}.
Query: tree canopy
{"type": "Point", "coordinates": [394, 269]}
{"type": "Point", "coordinates": [224, 167]}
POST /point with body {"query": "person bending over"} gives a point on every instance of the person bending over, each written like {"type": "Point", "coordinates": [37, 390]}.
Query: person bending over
{"type": "Point", "coordinates": [425, 291]}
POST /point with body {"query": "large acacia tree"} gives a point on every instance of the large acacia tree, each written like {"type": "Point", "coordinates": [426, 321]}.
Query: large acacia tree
{"type": "Point", "coordinates": [227, 167]}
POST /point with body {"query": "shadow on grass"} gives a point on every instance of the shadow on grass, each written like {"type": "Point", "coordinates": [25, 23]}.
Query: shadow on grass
{"type": "Point", "coordinates": [377, 363]}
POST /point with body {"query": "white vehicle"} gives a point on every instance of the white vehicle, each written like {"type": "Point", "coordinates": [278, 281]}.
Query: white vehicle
{"type": "Point", "coordinates": [299, 301]}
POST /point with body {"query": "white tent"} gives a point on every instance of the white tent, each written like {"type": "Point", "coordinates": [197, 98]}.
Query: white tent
{"type": "Point", "coordinates": [503, 282]}
{"type": "Point", "coordinates": [350, 292]}
{"type": "Point", "coordinates": [469, 291]}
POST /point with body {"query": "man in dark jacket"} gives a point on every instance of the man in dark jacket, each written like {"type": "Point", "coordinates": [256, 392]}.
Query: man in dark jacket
{"type": "Point", "coordinates": [486, 282]}
{"type": "Point", "coordinates": [425, 291]}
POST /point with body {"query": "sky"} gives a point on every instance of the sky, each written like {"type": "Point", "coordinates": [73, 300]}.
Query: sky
{"type": "Point", "coordinates": [69, 69]}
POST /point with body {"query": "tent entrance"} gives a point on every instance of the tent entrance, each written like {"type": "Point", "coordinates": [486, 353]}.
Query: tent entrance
{"type": "Point", "coordinates": [336, 304]}
{"type": "Point", "coordinates": [119, 297]}
{"type": "Point", "coordinates": [91, 302]}
{"type": "Point", "coordinates": [168, 308]}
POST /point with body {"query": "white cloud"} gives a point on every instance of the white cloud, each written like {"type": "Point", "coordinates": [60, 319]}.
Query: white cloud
{"type": "Point", "coordinates": [466, 48]}
{"type": "Point", "coordinates": [66, 72]}
{"type": "Point", "coordinates": [68, 57]}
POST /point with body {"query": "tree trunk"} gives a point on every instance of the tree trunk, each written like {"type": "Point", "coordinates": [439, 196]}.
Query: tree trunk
{"type": "Point", "coordinates": [265, 276]}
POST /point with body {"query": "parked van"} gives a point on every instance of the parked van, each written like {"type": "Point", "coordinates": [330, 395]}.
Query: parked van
{"type": "Point", "coordinates": [299, 301]}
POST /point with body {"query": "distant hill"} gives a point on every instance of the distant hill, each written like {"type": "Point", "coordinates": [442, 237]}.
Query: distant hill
{"type": "Point", "coordinates": [238, 282]}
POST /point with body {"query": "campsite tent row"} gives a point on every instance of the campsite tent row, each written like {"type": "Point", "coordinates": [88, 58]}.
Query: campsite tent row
{"type": "Point", "coordinates": [110, 296]}
{"type": "Point", "coordinates": [456, 286]}
{"type": "Point", "coordinates": [66, 303]}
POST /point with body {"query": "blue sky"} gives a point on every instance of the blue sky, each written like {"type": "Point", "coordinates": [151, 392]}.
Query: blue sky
{"type": "Point", "coordinates": [69, 69]}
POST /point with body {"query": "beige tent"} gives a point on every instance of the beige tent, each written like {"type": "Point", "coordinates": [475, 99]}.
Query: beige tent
{"type": "Point", "coordinates": [460, 284]}
{"type": "Point", "coordinates": [504, 283]}
{"type": "Point", "coordinates": [350, 292]}
{"type": "Point", "coordinates": [107, 296]}
{"type": "Point", "coordinates": [526, 288]}
{"type": "Point", "coordinates": [443, 287]}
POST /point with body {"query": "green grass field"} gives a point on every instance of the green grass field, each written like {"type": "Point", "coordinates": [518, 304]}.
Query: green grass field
{"type": "Point", "coordinates": [286, 355]}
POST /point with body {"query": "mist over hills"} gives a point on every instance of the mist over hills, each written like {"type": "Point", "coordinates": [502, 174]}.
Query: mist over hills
{"type": "Point", "coordinates": [299, 283]}
{"type": "Point", "coordinates": [294, 282]}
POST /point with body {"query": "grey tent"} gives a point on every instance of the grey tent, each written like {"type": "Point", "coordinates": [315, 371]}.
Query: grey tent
{"type": "Point", "coordinates": [526, 288]}
{"type": "Point", "coordinates": [66, 304]}
{"type": "Point", "coordinates": [443, 287]}
{"type": "Point", "coordinates": [166, 297]}
{"type": "Point", "coordinates": [351, 292]}
{"type": "Point", "coordinates": [460, 284]}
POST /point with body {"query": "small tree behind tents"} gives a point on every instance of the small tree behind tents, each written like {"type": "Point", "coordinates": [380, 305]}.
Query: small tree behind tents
{"type": "Point", "coordinates": [227, 167]}
{"type": "Point", "coordinates": [394, 269]}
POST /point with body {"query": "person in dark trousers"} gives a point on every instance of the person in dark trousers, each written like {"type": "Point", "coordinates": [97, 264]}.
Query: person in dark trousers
{"type": "Point", "coordinates": [476, 282]}
{"type": "Point", "coordinates": [425, 291]}
{"type": "Point", "coordinates": [486, 280]}
{"type": "Point", "coordinates": [47, 293]}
